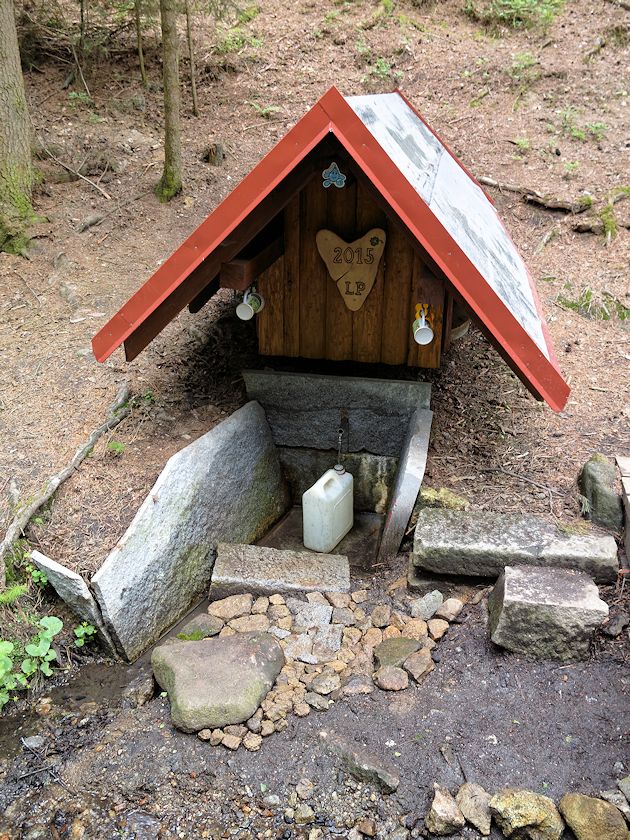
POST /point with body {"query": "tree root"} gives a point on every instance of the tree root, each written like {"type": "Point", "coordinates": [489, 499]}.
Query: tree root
{"type": "Point", "coordinates": [549, 202]}
{"type": "Point", "coordinates": [118, 410]}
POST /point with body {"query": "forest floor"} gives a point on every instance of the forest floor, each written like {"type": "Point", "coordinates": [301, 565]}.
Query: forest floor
{"type": "Point", "coordinates": [545, 109]}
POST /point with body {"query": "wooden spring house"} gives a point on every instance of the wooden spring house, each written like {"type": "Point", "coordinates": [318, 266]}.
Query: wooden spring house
{"type": "Point", "coordinates": [355, 224]}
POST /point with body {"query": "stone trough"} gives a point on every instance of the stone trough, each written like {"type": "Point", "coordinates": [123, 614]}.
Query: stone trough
{"type": "Point", "coordinates": [230, 486]}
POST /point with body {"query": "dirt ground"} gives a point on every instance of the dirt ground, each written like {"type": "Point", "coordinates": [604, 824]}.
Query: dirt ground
{"type": "Point", "coordinates": [545, 110]}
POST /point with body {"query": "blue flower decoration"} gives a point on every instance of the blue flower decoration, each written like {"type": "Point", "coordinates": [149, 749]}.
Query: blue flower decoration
{"type": "Point", "coordinates": [332, 175]}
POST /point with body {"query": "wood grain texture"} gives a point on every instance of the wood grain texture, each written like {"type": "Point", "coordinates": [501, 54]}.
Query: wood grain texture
{"type": "Point", "coordinates": [367, 325]}
{"type": "Point", "coordinates": [313, 274]}
{"type": "Point", "coordinates": [426, 288]}
{"type": "Point", "coordinates": [396, 311]}
{"type": "Point", "coordinates": [270, 321]}
{"type": "Point", "coordinates": [342, 216]}
{"type": "Point", "coordinates": [291, 321]}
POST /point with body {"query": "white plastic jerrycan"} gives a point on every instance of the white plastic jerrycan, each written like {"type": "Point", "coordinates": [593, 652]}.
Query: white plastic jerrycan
{"type": "Point", "coordinates": [327, 510]}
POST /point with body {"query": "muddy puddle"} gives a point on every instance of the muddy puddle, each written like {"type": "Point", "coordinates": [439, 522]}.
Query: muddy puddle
{"type": "Point", "coordinates": [85, 691]}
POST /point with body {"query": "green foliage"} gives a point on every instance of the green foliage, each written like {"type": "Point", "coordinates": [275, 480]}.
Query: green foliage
{"type": "Point", "coordinates": [84, 633]}
{"type": "Point", "coordinates": [597, 130]}
{"type": "Point", "coordinates": [523, 145]}
{"type": "Point", "coordinates": [10, 596]}
{"type": "Point", "coordinates": [236, 39]}
{"type": "Point", "coordinates": [265, 111]}
{"type": "Point", "coordinates": [570, 168]}
{"type": "Point", "coordinates": [248, 14]}
{"type": "Point", "coordinates": [195, 636]}
{"type": "Point", "coordinates": [382, 71]}
{"type": "Point", "coordinates": [16, 671]}
{"type": "Point", "coordinates": [39, 578]}
{"type": "Point", "coordinates": [588, 305]}
{"type": "Point", "coordinates": [79, 98]}
{"type": "Point", "coordinates": [116, 447]}
{"type": "Point", "coordinates": [516, 14]}
{"type": "Point", "coordinates": [522, 66]}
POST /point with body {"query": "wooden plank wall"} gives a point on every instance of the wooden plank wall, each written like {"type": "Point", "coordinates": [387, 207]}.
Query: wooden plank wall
{"type": "Point", "coordinates": [304, 313]}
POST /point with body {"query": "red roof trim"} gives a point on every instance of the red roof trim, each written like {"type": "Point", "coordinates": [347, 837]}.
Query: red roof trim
{"type": "Point", "coordinates": [333, 114]}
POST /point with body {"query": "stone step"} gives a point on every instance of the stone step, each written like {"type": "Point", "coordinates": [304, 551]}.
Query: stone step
{"type": "Point", "coordinates": [481, 544]}
{"type": "Point", "coordinates": [265, 571]}
{"type": "Point", "coordinates": [545, 612]}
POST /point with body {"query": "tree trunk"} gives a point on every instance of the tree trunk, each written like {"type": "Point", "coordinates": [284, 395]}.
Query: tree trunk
{"type": "Point", "coordinates": [143, 72]}
{"type": "Point", "coordinates": [171, 182]}
{"type": "Point", "coordinates": [191, 55]}
{"type": "Point", "coordinates": [16, 167]}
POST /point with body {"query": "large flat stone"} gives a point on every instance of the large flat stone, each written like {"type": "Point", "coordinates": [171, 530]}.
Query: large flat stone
{"type": "Point", "coordinates": [227, 486]}
{"type": "Point", "coordinates": [264, 571]}
{"type": "Point", "coordinates": [306, 410]}
{"type": "Point", "coordinates": [411, 467]}
{"type": "Point", "coordinates": [72, 589]}
{"type": "Point", "coordinates": [373, 475]}
{"type": "Point", "coordinates": [546, 613]}
{"type": "Point", "coordinates": [481, 544]}
{"type": "Point", "coordinates": [597, 485]}
{"type": "Point", "coordinates": [217, 682]}
{"type": "Point", "coordinates": [359, 762]}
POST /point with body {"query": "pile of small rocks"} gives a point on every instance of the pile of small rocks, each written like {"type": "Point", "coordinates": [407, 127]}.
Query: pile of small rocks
{"type": "Point", "coordinates": [335, 646]}
{"type": "Point", "coordinates": [519, 812]}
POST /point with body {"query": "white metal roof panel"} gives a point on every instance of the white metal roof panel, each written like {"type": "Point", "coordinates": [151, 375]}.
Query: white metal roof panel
{"type": "Point", "coordinates": [457, 201]}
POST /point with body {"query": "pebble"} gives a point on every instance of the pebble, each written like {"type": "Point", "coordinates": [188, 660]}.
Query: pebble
{"type": "Point", "coordinates": [276, 599]}
{"type": "Point", "coordinates": [231, 742]}
{"type": "Point", "coordinates": [237, 729]}
{"type": "Point", "coordinates": [358, 684]}
{"type": "Point", "coordinates": [416, 628]}
{"type": "Point", "coordinates": [304, 788]}
{"type": "Point", "coordinates": [249, 623]}
{"type": "Point", "coordinates": [227, 631]}
{"type": "Point", "coordinates": [277, 611]}
{"type": "Point", "coordinates": [338, 599]}
{"type": "Point", "coordinates": [252, 742]}
{"type": "Point", "coordinates": [301, 709]}
{"type": "Point", "coordinates": [34, 742]}
{"type": "Point", "coordinates": [316, 701]}
{"type": "Point", "coordinates": [317, 598]}
{"type": "Point", "coordinates": [255, 721]}
{"type": "Point", "coordinates": [426, 606]}
{"type": "Point", "coordinates": [231, 607]}
{"type": "Point", "coordinates": [260, 605]}
{"type": "Point", "coordinates": [450, 609]}
{"type": "Point", "coordinates": [390, 678]}
{"type": "Point", "coordinates": [419, 664]}
{"type": "Point", "coordinates": [343, 615]}
{"type": "Point", "coordinates": [359, 596]}
{"type": "Point", "coordinates": [267, 727]}
{"type": "Point", "coordinates": [271, 800]}
{"type": "Point", "coordinates": [367, 827]}
{"type": "Point", "coordinates": [204, 734]}
{"type": "Point", "coordinates": [437, 628]}
{"type": "Point", "coordinates": [372, 637]}
{"type": "Point", "coordinates": [304, 814]}
{"type": "Point", "coordinates": [391, 632]}
{"type": "Point", "coordinates": [326, 683]}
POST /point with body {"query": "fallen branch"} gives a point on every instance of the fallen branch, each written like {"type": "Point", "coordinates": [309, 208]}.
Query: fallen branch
{"type": "Point", "coordinates": [534, 197]}
{"type": "Point", "coordinates": [117, 412]}
{"type": "Point", "coordinates": [75, 172]}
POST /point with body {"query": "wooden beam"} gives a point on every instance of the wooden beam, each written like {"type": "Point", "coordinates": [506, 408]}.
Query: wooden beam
{"type": "Point", "coordinates": [243, 270]}
{"type": "Point", "coordinates": [197, 303]}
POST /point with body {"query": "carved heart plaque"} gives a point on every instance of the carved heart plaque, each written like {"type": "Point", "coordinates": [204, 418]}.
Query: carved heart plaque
{"type": "Point", "coordinates": [352, 265]}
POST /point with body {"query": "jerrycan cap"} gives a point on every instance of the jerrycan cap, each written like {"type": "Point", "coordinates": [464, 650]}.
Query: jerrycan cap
{"type": "Point", "coordinates": [339, 469]}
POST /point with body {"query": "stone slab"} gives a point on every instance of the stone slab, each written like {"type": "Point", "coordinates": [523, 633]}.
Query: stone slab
{"type": "Point", "coordinates": [411, 467]}
{"type": "Point", "coordinates": [72, 589]}
{"type": "Point", "coordinates": [544, 612]}
{"type": "Point", "coordinates": [307, 410]}
{"type": "Point", "coordinates": [217, 682]}
{"type": "Point", "coordinates": [373, 475]}
{"type": "Point", "coordinates": [265, 571]}
{"type": "Point", "coordinates": [481, 544]}
{"type": "Point", "coordinates": [227, 486]}
{"type": "Point", "coordinates": [625, 495]}
{"type": "Point", "coordinates": [623, 462]}
{"type": "Point", "coordinates": [597, 484]}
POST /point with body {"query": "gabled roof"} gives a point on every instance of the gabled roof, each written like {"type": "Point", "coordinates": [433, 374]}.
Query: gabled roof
{"type": "Point", "coordinates": [424, 185]}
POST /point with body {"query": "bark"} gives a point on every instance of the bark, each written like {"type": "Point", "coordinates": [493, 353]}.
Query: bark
{"type": "Point", "coordinates": [16, 168]}
{"type": "Point", "coordinates": [171, 182]}
{"type": "Point", "coordinates": [143, 72]}
{"type": "Point", "coordinates": [191, 54]}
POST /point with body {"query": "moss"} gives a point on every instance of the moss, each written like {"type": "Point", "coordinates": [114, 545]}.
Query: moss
{"type": "Point", "coordinates": [442, 498]}
{"type": "Point", "coordinates": [168, 186]}
{"type": "Point", "coordinates": [195, 636]}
